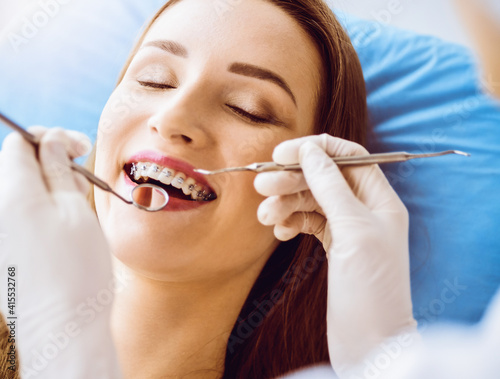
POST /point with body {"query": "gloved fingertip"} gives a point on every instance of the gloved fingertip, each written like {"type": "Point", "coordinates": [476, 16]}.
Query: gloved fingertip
{"type": "Point", "coordinates": [261, 183]}
{"type": "Point", "coordinates": [56, 150]}
{"type": "Point", "coordinates": [313, 159]}
{"type": "Point", "coordinates": [257, 183]}
{"type": "Point", "coordinates": [37, 130]}
{"type": "Point", "coordinates": [286, 153]}
{"type": "Point", "coordinates": [262, 214]}
{"type": "Point", "coordinates": [284, 233]}
{"type": "Point", "coordinates": [83, 145]}
{"type": "Point", "coordinates": [309, 150]}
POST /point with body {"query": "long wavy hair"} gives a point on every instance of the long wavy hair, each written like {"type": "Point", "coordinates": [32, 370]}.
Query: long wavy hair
{"type": "Point", "coordinates": [282, 325]}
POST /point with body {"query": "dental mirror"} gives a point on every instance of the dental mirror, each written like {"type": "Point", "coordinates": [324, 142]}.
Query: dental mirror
{"type": "Point", "coordinates": [148, 197]}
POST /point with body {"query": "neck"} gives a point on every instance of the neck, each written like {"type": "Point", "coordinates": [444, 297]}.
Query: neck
{"type": "Point", "coordinates": [173, 330]}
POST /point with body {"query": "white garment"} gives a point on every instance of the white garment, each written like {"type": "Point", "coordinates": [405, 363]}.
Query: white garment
{"type": "Point", "coordinates": [447, 352]}
{"type": "Point", "coordinates": [455, 352]}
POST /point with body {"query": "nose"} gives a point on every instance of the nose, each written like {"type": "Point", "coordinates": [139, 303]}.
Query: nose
{"type": "Point", "coordinates": [180, 120]}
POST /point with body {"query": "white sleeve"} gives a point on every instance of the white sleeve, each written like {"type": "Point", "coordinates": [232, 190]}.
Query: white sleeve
{"type": "Point", "coordinates": [446, 352]}
{"type": "Point", "coordinates": [454, 352]}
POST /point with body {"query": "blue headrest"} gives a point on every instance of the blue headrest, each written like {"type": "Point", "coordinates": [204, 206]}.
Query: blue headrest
{"type": "Point", "coordinates": [423, 96]}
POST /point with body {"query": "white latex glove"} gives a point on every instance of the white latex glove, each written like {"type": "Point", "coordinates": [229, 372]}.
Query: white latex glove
{"type": "Point", "coordinates": [63, 275]}
{"type": "Point", "coordinates": [366, 239]}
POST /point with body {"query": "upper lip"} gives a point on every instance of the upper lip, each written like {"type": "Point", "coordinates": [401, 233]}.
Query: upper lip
{"type": "Point", "coordinates": [170, 162]}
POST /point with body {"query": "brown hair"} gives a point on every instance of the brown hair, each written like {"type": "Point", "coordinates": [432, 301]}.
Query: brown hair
{"type": "Point", "coordinates": [282, 325]}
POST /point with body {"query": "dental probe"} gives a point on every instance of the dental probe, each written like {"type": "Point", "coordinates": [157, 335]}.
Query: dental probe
{"type": "Point", "coordinates": [357, 160]}
{"type": "Point", "coordinates": [94, 179]}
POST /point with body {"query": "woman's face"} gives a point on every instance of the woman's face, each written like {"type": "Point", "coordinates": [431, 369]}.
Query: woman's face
{"type": "Point", "coordinates": [213, 85]}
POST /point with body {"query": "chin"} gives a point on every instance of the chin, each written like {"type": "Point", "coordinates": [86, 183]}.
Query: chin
{"type": "Point", "coordinates": [154, 258]}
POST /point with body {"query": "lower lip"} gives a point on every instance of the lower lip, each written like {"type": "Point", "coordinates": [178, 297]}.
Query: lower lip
{"type": "Point", "coordinates": [174, 204]}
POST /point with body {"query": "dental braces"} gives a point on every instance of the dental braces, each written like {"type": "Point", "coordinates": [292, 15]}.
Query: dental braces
{"type": "Point", "coordinates": [202, 195]}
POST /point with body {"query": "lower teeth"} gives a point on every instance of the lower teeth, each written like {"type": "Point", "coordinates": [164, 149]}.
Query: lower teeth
{"type": "Point", "coordinates": [172, 191]}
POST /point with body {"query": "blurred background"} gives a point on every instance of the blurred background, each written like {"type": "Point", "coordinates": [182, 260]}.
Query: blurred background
{"type": "Point", "coordinates": [435, 17]}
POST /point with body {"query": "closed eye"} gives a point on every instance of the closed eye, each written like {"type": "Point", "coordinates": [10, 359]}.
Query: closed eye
{"type": "Point", "coordinates": [258, 119]}
{"type": "Point", "coordinates": [155, 85]}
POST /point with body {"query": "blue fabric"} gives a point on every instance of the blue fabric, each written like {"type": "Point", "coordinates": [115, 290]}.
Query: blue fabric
{"type": "Point", "coordinates": [64, 74]}
{"type": "Point", "coordinates": [423, 95]}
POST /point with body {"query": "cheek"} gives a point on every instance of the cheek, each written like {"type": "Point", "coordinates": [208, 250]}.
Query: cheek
{"type": "Point", "coordinates": [259, 147]}
{"type": "Point", "coordinates": [244, 239]}
{"type": "Point", "coordinates": [124, 108]}
{"type": "Point", "coordinates": [122, 113]}
{"type": "Point", "coordinates": [240, 199]}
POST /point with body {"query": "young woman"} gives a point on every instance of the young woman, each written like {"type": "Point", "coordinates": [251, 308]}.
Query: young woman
{"type": "Point", "coordinates": [236, 286]}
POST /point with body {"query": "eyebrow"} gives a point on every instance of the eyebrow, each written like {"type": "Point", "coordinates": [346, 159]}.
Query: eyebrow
{"type": "Point", "coordinates": [244, 69]}
{"type": "Point", "coordinates": [169, 46]}
{"type": "Point", "coordinates": [261, 73]}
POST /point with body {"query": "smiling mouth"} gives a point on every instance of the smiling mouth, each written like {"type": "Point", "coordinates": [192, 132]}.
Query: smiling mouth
{"type": "Point", "coordinates": [176, 183]}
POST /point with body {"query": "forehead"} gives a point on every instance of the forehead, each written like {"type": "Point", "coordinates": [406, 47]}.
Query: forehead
{"type": "Point", "coordinates": [250, 31]}
{"type": "Point", "coordinates": [257, 23]}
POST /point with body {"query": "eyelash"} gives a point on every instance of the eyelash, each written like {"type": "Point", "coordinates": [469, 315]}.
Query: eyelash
{"type": "Point", "coordinates": [155, 85]}
{"type": "Point", "coordinates": [251, 117]}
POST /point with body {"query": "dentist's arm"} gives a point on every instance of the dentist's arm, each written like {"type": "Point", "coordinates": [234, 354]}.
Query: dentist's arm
{"type": "Point", "coordinates": [55, 264]}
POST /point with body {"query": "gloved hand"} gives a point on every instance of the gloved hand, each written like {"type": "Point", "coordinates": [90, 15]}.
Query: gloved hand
{"type": "Point", "coordinates": [363, 226]}
{"type": "Point", "coordinates": [54, 254]}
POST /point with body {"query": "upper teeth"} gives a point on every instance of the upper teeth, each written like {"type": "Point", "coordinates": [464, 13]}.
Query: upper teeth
{"type": "Point", "coordinates": [168, 176]}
